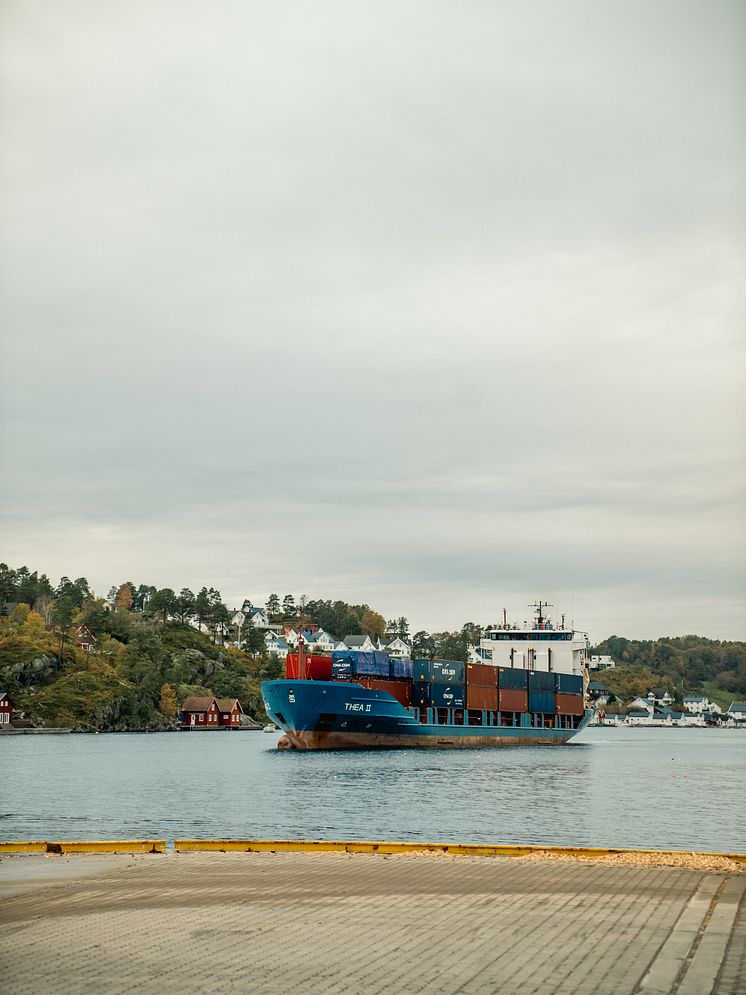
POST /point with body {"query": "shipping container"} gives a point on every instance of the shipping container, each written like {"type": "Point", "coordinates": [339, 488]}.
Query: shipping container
{"type": "Point", "coordinates": [401, 690]}
{"type": "Point", "coordinates": [421, 670]}
{"type": "Point", "coordinates": [375, 664]}
{"type": "Point", "coordinates": [421, 694]}
{"type": "Point", "coordinates": [341, 668]}
{"type": "Point", "coordinates": [447, 672]}
{"type": "Point", "coordinates": [570, 704]}
{"type": "Point", "coordinates": [437, 695]}
{"type": "Point", "coordinates": [512, 679]}
{"type": "Point", "coordinates": [315, 667]}
{"type": "Point", "coordinates": [541, 701]}
{"type": "Point", "coordinates": [401, 668]}
{"type": "Point", "coordinates": [447, 695]}
{"type": "Point", "coordinates": [512, 700]}
{"type": "Point", "coordinates": [481, 675]}
{"type": "Point", "coordinates": [541, 680]}
{"type": "Point", "coordinates": [569, 684]}
{"type": "Point", "coordinates": [480, 697]}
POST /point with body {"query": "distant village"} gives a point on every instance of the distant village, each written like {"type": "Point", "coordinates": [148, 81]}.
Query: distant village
{"type": "Point", "coordinates": [655, 707]}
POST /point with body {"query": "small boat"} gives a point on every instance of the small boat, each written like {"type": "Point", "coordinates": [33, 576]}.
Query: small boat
{"type": "Point", "coordinates": [270, 727]}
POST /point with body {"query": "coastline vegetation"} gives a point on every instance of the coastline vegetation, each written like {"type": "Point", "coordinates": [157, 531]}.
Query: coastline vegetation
{"type": "Point", "coordinates": [150, 648]}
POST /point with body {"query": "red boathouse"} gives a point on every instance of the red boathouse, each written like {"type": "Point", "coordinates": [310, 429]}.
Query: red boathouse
{"type": "Point", "coordinates": [211, 713]}
{"type": "Point", "coordinates": [6, 710]}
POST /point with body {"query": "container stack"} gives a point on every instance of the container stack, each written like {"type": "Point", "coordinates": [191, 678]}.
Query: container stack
{"type": "Point", "coordinates": [569, 697]}
{"type": "Point", "coordinates": [438, 684]}
{"type": "Point", "coordinates": [541, 684]}
{"type": "Point", "coordinates": [481, 687]}
{"type": "Point", "coordinates": [512, 694]}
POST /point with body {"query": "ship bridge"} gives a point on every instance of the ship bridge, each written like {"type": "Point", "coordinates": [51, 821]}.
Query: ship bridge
{"type": "Point", "coordinates": [540, 645]}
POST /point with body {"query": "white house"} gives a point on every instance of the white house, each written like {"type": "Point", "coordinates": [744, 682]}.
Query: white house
{"type": "Point", "coordinates": [737, 713]}
{"type": "Point", "coordinates": [640, 704]}
{"type": "Point", "coordinates": [692, 719]}
{"type": "Point", "coordinates": [276, 645]}
{"type": "Point", "coordinates": [602, 663]}
{"type": "Point", "coordinates": [701, 705]}
{"type": "Point", "coordinates": [639, 717]}
{"type": "Point", "coordinates": [395, 647]}
{"type": "Point", "coordinates": [358, 642]}
{"type": "Point", "coordinates": [324, 642]}
{"type": "Point", "coordinates": [660, 696]}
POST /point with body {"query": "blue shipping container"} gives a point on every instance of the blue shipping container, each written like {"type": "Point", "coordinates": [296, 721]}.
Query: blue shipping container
{"type": "Point", "coordinates": [512, 679]}
{"type": "Point", "coordinates": [401, 668]}
{"type": "Point", "coordinates": [541, 680]}
{"type": "Point", "coordinates": [541, 701]}
{"type": "Point", "coordinates": [373, 664]}
{"type": "Point", "coordinates": [421, 670]}
{"type": "Point", "coordinates": [421, 694]}
{"type": "Point", "coordinates": [447, 695]}
{"type": "Point", "coordinates": [569, 684]}
{"type": "Point", "coordinates": [447, 672]}
{"type": "Point", "coordinates": [341, 667]}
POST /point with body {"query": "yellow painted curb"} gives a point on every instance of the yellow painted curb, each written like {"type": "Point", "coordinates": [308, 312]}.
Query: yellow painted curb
{"type": "Point", "coordinates": [23, 847]}
{"type": "Point", "coordinates": [108, 846]}
{"type": "Point", "coordinates": [91, 846]}
{"type": "Point", "coordinates": [455, 849]}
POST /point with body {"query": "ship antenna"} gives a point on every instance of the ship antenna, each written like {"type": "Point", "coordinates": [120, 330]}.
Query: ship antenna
{"type": "Point", "coordinates": [539, 606]}
{"type": "Point", "coordinates": [505, 618]}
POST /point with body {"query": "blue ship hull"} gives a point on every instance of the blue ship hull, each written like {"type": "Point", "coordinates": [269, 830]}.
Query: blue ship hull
{"type": "Point", "coordinates": [334, 715]}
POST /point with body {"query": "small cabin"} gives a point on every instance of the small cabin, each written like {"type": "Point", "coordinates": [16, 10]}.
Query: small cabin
{"type": "Point", "coordinates": [6, 710]}
{"type": "Point", "coordinates": [230, 712]}
{"type": "Point", "coordinates": [210, 713]}
{"type": "Point", "coordinates": [200, 713]}
{"type": "Point", "coordinates": [85, 639]}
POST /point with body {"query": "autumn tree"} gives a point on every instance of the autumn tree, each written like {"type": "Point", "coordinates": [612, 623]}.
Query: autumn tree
{"type": "Point", "coordinates": [125, 596]}
{"type": "Point", "coordinates": [372, 623]}
{"type": "Point", "coordinates": [168, 704]}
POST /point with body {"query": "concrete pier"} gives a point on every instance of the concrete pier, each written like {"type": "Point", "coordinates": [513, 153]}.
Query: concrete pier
{"type": "Point", "coordinates": [359, 923]}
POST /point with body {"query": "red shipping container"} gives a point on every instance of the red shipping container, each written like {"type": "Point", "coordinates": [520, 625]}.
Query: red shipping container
{"type": "Point", "coordinates": [481, 697]}
{"type": "Point", "coordinates": [481, 675]}
{"type": "Point", "coordinates": [569, 704]}
{"type": "Point", "coordinates": [315, 667]}
{"type": "Point", "coordinates": [318, 668]}
{"type": "Point", "coordinates": [512, 701]}
{"type": "Point", "coordinates": [401, 690]}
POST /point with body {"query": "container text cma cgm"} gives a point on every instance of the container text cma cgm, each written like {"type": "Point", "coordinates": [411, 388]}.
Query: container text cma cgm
{"type": "Point", "coordinates": [530, 688]}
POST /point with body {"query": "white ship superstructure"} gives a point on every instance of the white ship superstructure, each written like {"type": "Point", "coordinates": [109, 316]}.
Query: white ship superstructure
{"type": "Point", "coordinates": [540, 646]}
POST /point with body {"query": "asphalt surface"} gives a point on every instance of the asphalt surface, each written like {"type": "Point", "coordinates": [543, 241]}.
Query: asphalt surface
{"type": "Point", "coordinates": [340, 923]}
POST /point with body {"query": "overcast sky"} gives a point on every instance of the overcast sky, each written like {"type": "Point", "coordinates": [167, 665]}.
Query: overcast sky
{"type": "Point", "coordinates": [437, 306]}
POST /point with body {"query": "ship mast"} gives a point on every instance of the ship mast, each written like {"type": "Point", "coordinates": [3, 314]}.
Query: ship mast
{"type": "Point", "coordinates": [538, 607]}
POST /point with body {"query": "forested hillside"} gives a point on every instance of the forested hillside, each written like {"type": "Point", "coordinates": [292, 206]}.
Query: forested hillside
{"type": "Point", "coordinates": [681, 663]}
{"type": "Point", "coordinates": [147, 657]}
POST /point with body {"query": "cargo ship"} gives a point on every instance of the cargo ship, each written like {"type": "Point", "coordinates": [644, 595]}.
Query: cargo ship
{"type": "Point", "coordinates": [529, 687]}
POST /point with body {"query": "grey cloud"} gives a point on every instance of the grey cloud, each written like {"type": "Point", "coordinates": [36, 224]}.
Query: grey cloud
{"type": "Point", "coordinates": [378, 301]}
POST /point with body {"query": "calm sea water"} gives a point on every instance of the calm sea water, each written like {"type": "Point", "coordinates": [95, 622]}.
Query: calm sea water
{"type": "Point", "coordinates": [657, 788]}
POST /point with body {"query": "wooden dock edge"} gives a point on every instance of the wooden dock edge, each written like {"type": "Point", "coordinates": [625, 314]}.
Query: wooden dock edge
{"type": "Point", "coordinates": [83, 846]}
{"type": "Point", "coordinates": [454, 849]}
